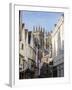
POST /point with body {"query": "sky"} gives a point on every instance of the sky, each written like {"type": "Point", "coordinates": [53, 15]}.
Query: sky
{"type": "Point", "coordinates": [40, 18]}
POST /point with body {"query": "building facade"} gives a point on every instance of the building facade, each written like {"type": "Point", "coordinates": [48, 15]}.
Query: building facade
{"type": "Point", "coordinates": [58, 48]}
{"type": "Point", "coordinates": [26, 49]}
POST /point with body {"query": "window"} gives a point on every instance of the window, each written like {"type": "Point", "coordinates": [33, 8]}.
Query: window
{"type": "Point", "coordinates": [29, 37]}
{"type": "Point", "coordinates": [22, 46]}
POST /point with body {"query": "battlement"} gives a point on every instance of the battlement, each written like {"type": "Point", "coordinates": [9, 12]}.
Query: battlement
{"type": "Point", "coordinates": [38, 29]}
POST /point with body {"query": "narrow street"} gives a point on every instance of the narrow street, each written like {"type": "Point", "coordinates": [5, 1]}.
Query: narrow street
{"type": "Point", "coordinates": [41, 49]}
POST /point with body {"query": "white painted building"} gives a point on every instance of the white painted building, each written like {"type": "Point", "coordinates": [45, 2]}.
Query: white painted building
{"type": "Point", "coordinates": [27, 53]}
{"type": "Point", "coordinates": [58, 48]}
